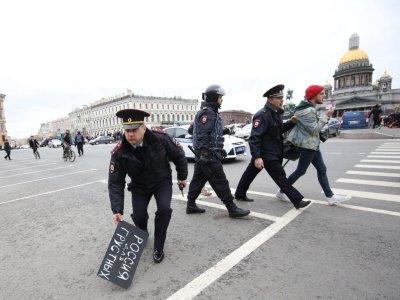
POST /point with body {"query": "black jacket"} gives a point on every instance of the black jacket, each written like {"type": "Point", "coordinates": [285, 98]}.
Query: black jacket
{"type": "Point", "coordinates": [266, 140]}
{"type": "Point", "coordinates": [146, 166]}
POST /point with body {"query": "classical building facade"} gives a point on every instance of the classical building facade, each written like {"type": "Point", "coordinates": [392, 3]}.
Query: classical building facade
{"type": "Point", "coordinates": [235, 116]}
{"type": "Point", "coordinates": [354, 89]}
{"type": "Point", "coordinates": [3, 128]}
{"type": "Point", "coordinates": [99, 118]}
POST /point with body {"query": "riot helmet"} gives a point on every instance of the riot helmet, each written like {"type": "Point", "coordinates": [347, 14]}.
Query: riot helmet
{"type": "Point", "coordinates": [212, 92]}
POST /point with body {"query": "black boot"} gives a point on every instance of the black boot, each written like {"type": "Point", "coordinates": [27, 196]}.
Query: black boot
{"type": "Point", "coordinates": [158, 256]}
{"type": "Point", "coordinates": [244, 199]}
{"type": "Point", "coordinates": [302, 204]}
{"type": "Point", "coordinates": [192, 208]}
{"type": "Point", "coordinates": [236, 212]}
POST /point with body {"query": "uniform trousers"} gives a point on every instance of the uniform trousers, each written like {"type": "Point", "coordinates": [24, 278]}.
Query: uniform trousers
{"type": "Point", "coordinates": [80, 148]}
{"type": "Point", "coordinates": [247, 178]}
{"type": "Point", "coordinates": [162, 192]}
{"type": "Point", "coordinates": [277, 173]}
{"type": "Point", "coordinates": [209, 170]}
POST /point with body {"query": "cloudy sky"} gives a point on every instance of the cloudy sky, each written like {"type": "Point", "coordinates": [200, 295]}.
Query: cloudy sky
{"type": "Point", "coordinates": [59, 55]}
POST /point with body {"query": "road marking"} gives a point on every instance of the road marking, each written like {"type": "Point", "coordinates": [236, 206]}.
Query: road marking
{"type": "Point", "coordinates": [50, 192]}
{"type": "Point", "coordinates": [361, 208]}
{"type": "Point", "coordinates": [24, 164]}
{"type": "Point", "coordinates": [368, 195]}
{"type": "Point", "coordinates": [35, 172]}
{"type": "Point", "coordinates": [383, 156]}
{"type": "Point", "coordinates": [47, 178]}
{"type": "Point", "coordinates": [391, 153]}
{"type": "Point", "coordinates": [383, 174]}
{"type": "Point", "coordinates": [378, 167]}
{"type": "Point", "coordinates": [369, 182]}
{"type": "Point", "coordinates": [197, 285]}
{"type": "Point", "coordinates": [30, 167]}
{"type": "Point", "coordinates": [388, 148]}
{"type": "Point", "coordinates": [223, 207]}
{"type": "Point", "coordinates": [381, 161]}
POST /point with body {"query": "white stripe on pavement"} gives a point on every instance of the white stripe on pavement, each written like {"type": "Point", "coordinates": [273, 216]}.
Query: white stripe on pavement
{"type": "Point", "coordinates": [383, 156]}
{"type": "Point", "coordinates": [391, 153]}
{"type": "Point", "coordinates": [30, 167]}
{"type": "Point", "coordinates": [368, 195]}
{"type": "Point", "coordinates": [25, 182]}
{"type": "Point", "coordinates": [50, 192]}
{"type": "Point", "coordinates": [381, 161]}
{"type": "Point", "coordinates": [69, 166]}
{"type": "Point", "coordinates": [369, 182]}
{"type": "Point", "coordinates": [361, 208]}
{"type": "Point", "coordinates": [378, 167]}
{"type": "Point", "coordinates": [196, 286]}
{"type": "Point", "coordinates": [383, 174]}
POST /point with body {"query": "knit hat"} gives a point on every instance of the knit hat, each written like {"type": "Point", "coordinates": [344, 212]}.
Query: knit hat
{"type": "Point", "coordinates": [313, 90]}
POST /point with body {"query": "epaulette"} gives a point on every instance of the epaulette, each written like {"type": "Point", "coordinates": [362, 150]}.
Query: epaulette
{"type": "Point", "coordinates": [116, 148]}
{"type": "Point", "coordinates": [158, 130]}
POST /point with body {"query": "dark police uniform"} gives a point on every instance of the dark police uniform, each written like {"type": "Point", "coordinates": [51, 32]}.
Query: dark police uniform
{"type": "Point", "coordinates": [149, 169]}
{"type": "Point", "coordinates": [208, 142]}
{"type": "Point", "coordinates": [266, 142]}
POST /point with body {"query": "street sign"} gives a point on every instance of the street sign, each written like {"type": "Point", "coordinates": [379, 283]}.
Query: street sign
{"type": "Point", "coordinates": [123, 254]}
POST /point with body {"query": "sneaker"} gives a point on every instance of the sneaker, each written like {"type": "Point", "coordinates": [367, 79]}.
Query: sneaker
{"type": "Point", "coordinates": [206, 192]}
{"type": "Point", "coordinates": [337, 199]}
{"type": "Point", "coordinates": [282, 197]}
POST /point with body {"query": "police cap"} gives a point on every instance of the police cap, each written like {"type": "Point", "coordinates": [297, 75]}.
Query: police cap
{"type": "Point", "coordinates": [132, 118]}
{"type": "Point", "coordinates": [276, 91]}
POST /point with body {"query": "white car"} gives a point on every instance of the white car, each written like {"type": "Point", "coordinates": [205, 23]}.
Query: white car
{"type": "Point", "coordinates": [244, 133]}
{"type": "Point", "coordinates": [54, 143]}
{"type": "Point", "coordinates": [233, 146]}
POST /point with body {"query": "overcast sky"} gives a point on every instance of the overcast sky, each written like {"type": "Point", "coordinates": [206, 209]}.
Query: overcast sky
{"type": "Point", "coordinates": [56, 56]}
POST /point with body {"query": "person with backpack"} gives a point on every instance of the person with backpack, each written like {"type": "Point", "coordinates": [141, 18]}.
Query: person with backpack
{"type": "Point", "coordinates": [266, 146]}
{"type": "Point", "coordinates": [79, 141]}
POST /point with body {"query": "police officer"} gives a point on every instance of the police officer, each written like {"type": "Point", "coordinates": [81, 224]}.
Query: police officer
{"type": "Point", "coordinates": [208, 143]}
{"type": "Point", "coordinates": [266, 145]}
{"type": "Point", "coordinates": [144, 156]}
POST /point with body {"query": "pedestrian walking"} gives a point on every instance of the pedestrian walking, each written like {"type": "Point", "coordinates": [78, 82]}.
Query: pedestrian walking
{"type": "Point", "coordinates": [144, 155]}
{"type": "Point", "coordinates": [34, 144]}
{"type": "Point", "coordinates": [306, 137]}
{"type": "Point", "coordinates": [7, 148]}
{"type": "Point", "coordinates": [79, 141]}
{"type": "Point", "coordinates": [266, 145]}
{"type": "Point", "coordinates": [208, 144]}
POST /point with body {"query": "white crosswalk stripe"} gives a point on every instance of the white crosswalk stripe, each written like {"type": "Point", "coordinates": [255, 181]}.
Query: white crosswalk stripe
{"type": "Point", "coordinates": [368, 195]}
{"type": "Point", "coordinates": [378, 167]}
{"type": "Point", "coordinates": [391, 153]}
{"type": "Point", "coordinates": [381, 161]}
{"type": "Point", "coordinates": [366, 173]}
{"type": "Point", "coordinates": [369, 182]}
{"type": "Point", "coordinates": [383, 156]}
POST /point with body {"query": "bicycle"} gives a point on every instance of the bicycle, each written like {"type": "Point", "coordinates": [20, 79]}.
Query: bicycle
{"type": "Point", "coordinates": [36, 153]}
{"type": "Point", "coordinates": [69, 155]}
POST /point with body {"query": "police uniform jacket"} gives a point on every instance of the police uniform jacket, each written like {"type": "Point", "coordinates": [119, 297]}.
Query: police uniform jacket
{"type": "Point", "coordinates": [147, 165]}
{"type": "Point", "coordinates": [208, 128]}
{"type": "Point", "coordinates": [266, 140]}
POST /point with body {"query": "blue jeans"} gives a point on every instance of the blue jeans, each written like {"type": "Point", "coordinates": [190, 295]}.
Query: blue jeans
{"type": "Point", "coordinates": [308, 156]}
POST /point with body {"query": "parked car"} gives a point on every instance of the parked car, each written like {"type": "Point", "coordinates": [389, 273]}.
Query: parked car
{"type": "Point", "coordinates": [244, 132]}
{"type": "Point", "coordinates": [234, 147]}
{"type": "Point", "coordinates": [354, 119]}
{"type": "Point", "coordinates": [54, 143]}
{"type": "Point", "coordinates": [25, 146]}
{"type": "Point", "coordinates": [102, 140]}
{"type": "Point", "coordinates": [332, 127]}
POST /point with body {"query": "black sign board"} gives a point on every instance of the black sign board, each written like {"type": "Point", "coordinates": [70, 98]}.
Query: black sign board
{"type": "Point", "coordinates": [123, 254]}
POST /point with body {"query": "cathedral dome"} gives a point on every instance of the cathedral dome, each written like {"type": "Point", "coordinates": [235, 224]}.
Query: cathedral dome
{"type": "Point", "coordinates": [354, 54]}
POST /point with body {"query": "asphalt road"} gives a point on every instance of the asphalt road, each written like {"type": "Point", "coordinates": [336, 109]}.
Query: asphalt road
{"type": "Point", "coordinates": [56, 224]}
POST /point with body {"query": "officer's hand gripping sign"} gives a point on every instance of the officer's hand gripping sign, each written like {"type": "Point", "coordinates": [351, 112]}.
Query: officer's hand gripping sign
{"type": "Point", "coordinates": [123, 254]}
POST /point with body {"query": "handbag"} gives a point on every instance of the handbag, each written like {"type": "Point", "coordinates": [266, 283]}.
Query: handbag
{"type": "Point", "coordinates": [290, 151]}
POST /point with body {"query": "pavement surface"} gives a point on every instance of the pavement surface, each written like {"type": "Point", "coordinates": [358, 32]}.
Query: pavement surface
{"type": "Point", "coordinates": [56, 224]}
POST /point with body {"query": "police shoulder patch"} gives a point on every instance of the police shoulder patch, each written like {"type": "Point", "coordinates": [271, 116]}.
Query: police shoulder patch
{"type": "Point", "coordinates": [116, 148]}
{"type": "Point", "coordinates": [256, 123]}
{"type": "Point", "coordinates": [176, 143]}
{"type": "Point", "coordinates": [204, 119]}
{"type": "Point", "coordinates": [112, 167]}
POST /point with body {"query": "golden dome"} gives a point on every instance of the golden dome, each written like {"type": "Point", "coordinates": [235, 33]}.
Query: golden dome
{"type": "Point", "coordinates": [354, 54]}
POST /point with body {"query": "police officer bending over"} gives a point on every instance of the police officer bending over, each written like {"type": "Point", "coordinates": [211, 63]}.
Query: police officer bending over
{"type": "Point", "coordinates": [208, 143]}
{"type": "Point", "coordinates": [144, 155]}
